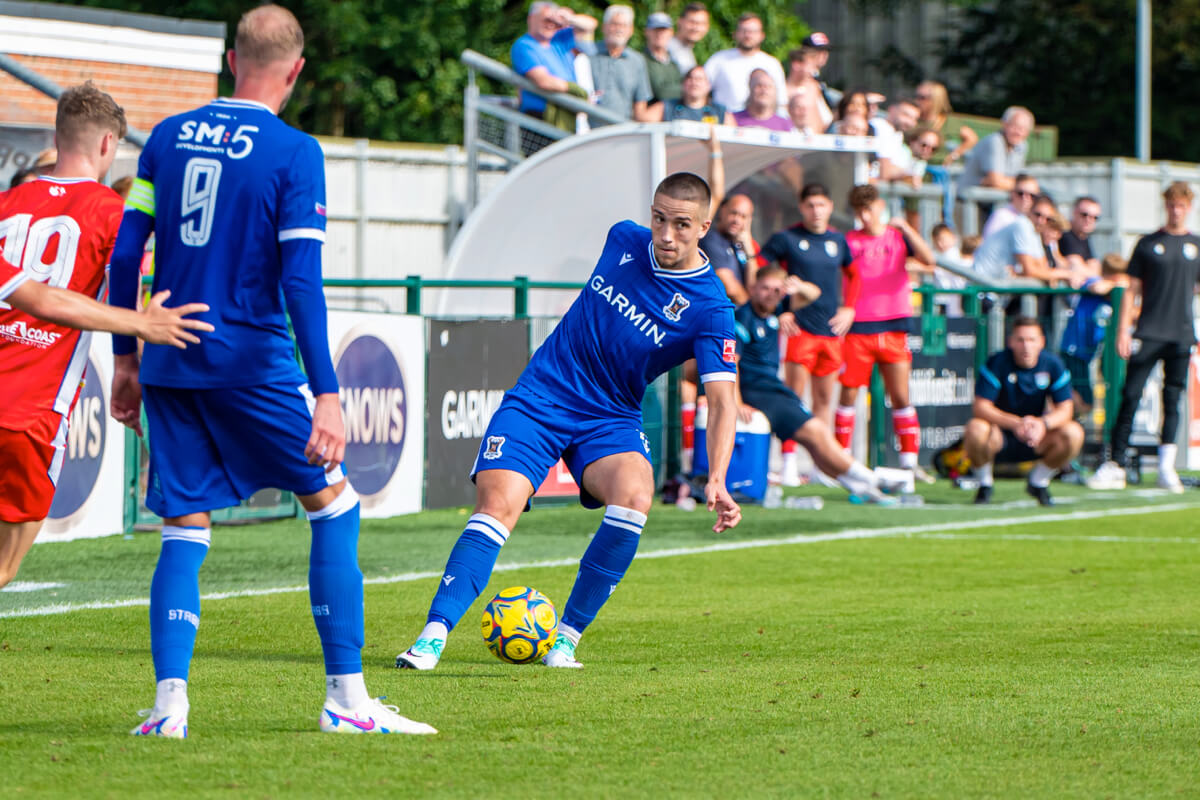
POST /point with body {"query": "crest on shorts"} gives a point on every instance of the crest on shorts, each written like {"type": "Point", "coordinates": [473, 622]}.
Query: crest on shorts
{"type": "Point", "coordinates": [1042, 380]}
{"type": "Point", "coordinates": [494, 443]}
{"type": "Point", "coordinates": [1189, 251]}
{"type": "Point", "coordinates": [676, 307]}
{"type": "Point", "coordinates": [831, 248]}
{"type": "Point", "coordinates": [645, 442]}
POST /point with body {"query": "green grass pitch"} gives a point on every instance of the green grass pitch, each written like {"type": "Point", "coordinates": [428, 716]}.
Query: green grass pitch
{"type": "Point", "coordinates": [940, 651]}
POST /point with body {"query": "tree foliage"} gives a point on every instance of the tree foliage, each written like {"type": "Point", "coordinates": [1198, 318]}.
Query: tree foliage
{"type": "Point", "coordinates": [1072, 63]}
{"type": "Point", "coordinates": [390, 70]}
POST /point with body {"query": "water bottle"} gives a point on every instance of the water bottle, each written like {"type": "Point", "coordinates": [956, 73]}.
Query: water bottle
{"type": "Point", "coordinates": [812, 503]}
{"type": "Point", "coordinates": [773, 497]}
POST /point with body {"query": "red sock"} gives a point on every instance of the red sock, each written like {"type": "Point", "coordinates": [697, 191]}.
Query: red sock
{"type": "Point", "coordinates": [788, 446]}
{"type": "Point", "coordinates": [908, 429]}
{"type": "Point", "coordinates": [687, 415]}
{"type": "Point", "coordinates": [843, 425]}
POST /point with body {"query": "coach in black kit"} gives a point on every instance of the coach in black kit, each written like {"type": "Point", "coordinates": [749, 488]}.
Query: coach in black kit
{"type": "Point", "coordinates": [1163, 270]}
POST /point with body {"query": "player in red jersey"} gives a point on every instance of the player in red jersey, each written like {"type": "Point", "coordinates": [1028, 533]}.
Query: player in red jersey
{"type": "Point", "coordinates": [883, 253]}
{"type": "Point", "coordinates": [56, 234]}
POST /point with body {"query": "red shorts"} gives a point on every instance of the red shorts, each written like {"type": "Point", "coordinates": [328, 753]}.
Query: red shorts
{"type": "Point", "coordinates": [863, 351]}
{"type": "Point", "coordinates": [29, 470]}
{"type": "Point", "coordinates": [820, 355]}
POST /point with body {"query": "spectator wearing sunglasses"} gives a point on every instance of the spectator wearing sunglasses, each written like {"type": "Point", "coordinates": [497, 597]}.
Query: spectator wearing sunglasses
{"type": "Point", "coordinates": [1020, 202]}
{"type": "Point", "coordinates": [1075, 245]}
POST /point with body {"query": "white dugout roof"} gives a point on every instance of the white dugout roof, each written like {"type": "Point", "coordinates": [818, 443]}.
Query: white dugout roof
{"type": "Point", "coordinates": [549, 217]}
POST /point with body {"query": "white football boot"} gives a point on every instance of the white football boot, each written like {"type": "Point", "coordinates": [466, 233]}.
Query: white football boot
{"type": "Point", "coordinates": [164, 724]}
{"type": "Point", "coordinates": [1110, 475]}
{"type": "Point", "coordinates": [423, 655]}
{"type": "Point", "coordinates": [562, 654]}
{"type": "Point", "coordinates": [369, 717]}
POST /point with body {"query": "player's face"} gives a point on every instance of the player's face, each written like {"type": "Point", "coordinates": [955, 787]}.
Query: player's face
{"type": "Point", "coordinates": [766, 293]}
{"type": "Point", "coordinates": [815, 211]}
{"type": "Point", "coordinates": [1177, 211]}
{"type": "Point", "coordinates": [677, 227]}
{"type": "Point", "coordinates": [874, 214]}
{"type": "Point", "coordinates": [1026, 343]}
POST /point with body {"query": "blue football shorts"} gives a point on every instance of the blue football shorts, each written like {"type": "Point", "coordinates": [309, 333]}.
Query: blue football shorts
{"type": "Point", "coordinates": [529, 436]}
{"type": "Point", "coordinates": [213, 448]}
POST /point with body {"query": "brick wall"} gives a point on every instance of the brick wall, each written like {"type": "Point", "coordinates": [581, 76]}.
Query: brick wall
{"type": "Point", "coordinates": [148, 94]}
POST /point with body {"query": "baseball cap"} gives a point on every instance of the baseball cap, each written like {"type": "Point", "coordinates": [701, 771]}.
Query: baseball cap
{"type": "Point", "coordinates": [658, 20]}
{"type": "Point", "coordinates": [818, 40]}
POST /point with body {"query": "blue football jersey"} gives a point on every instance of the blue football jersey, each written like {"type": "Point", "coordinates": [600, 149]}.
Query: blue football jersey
{"type": "Point", "coordinates": [632, 322]}
{"type": "Point", "coordinates": [758, 347]}
{"type": "Point", "coordinates": [227, 183]}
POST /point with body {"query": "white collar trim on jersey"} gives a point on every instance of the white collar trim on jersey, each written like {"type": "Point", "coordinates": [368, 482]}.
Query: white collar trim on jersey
{"type": "Point", "coordinates": [675, 273]}
{"type": "Point", "coordinates": [53, 179]}
{"type": "Point", "coordinates": [241, 101]}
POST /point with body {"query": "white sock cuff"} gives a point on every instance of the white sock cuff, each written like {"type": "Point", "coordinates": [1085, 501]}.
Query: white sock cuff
{"type": "Point", "coordinates": [846, 410]}
{"type": "Point", "coordinates": [181, 534]}
{"type": "Point", "coordinates": [344, 502]}
{"type": "Point", "coordinates": [626, 518]}
{"type": "Point", "coordinates": [687, 406]}
{"type": "Point", "coordinates": [570, 633]}
{"type": "Point", "coordinates": [904, 412]}
{"type": "Point", "coordinates": [489, 526]}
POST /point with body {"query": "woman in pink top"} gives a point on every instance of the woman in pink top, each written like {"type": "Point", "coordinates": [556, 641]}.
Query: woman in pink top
{"type": "Point", "coordinates": [883, 254]}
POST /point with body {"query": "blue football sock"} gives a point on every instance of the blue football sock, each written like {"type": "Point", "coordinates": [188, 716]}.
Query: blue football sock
{"type": "Point", "coordinates": [603, 565]}
{"type": "Point", "coordinates": [175, 600]}
{"type": "Point", "coordinates": [468, 569]}
{"type": "Point", "coordinates": [335, 583]}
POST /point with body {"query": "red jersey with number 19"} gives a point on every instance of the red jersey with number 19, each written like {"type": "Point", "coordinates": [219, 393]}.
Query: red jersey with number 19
{"type": "Point", "coordinates": [60, 232]}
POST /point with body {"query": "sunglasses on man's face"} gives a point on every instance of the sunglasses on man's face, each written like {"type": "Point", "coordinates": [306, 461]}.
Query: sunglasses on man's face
{"type": "Point", "coordinates": [1023, 193]}
{"type": "Point", "coordinates": [1086, 215]}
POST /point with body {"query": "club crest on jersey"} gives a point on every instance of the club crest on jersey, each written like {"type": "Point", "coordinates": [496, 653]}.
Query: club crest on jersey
{"type": "Point", "coordinates": [1042, 380]}
{"type": "Point", "coordinates": [57, 191]}
{"type": "Point", "coordinates": [676, 307]}
{"type": "Point", "coordinates": [1189, 251]}
{"type": "Point", "coordinates": [831, 248]}
{"type": "Point", "coordinates": [494, 443]}
{"type": "Point", "coordinates": [803, 244]}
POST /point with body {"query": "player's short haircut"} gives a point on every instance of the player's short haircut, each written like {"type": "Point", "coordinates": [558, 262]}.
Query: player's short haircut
{"type": "Point", "coordinates": [1113, 264]}
{"type": "Point", "coordinates": [1027, 322]}
{"type": "Point", "coordinates": [813, 190]}
{"type": "Point", "coordinates": [268, 33]}
{"type": "Point", "coordinates": [693, 8]}
{"type": "Point", "coordinates": [687, 186]}
{"type": "Point", "coordinates": [83, 111]}
{"type": "Point", "coordinates": [770, 271]}
{"type": "Point", "coordinates": [862, 196]}
{"type": "Point", "coordinates": [1179, 190]}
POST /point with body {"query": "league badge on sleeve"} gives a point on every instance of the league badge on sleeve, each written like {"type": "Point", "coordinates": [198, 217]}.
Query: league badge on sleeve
{"type": "Point", "coordinates": [729, 351]}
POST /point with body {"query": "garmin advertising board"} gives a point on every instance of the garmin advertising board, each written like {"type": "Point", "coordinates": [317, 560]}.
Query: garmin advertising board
{"type": "Point", "coordinates": [380, 364]}
{"type": "Point", "coordinates": [89, 498]}
{"type": "Point", "coordinates": [941, 389]}
{"type": "Point", "coordinates": [471, 365]}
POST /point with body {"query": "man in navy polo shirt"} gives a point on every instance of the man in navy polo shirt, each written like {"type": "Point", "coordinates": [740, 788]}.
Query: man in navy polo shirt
{"type": "Point", "coordinates": [1023, 412]}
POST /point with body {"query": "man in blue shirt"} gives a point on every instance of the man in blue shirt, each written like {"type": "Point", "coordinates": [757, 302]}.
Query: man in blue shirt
{"type": "Point", "coordinates": [1023, 412]}
{"type": "Point", "coordinates": [236, 201]}
{"type": "Point", "coordinates": [652, 303]}
{"type": "Point", "coordinates": [757, 324]}
{"type": "Point", "coordinates": [546, 54]}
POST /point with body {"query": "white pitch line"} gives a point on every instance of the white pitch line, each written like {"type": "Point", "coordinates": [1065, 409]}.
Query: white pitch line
{"type": "Point", "coordinates": [919, 531]}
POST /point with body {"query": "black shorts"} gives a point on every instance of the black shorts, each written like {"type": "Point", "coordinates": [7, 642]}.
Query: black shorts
{"type": "Point", "coordinates": [1015, 451]}
{"type": "Point", "coordinates": [783, 409]}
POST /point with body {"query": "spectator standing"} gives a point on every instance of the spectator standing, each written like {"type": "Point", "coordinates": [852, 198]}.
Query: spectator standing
{"type": "Point", "coordinates": [693, 27]}
{"type": "Point", "coordinates": [798, 114]}
{"type": "Point", "coordinates": [999, 157]}
{"type": "Point", "coordinates": [622, 83]}
{"type": "Point", "coordinates": [1087, 319]}
{"type": "Point", "coordinates": [804, 69]}
{"type": "Point", "coordinates": [665, 78]}
{"type": "Point", "coordinates": [1163, 272]}
{"type": "Point", "coordinates": [729, 247]}
{"type": "Point", "coordinates": [1075, 245]}
{"type": "Point", "coordinates": [729, 70]}
{"type": "Point", "coordinates": [760, 110]}
{"type": "Point", "coordinates": [695, 102]}
{"type": "Point", "coordinates": [896, 161]}
{"type": "Point", "coordinates": [1025, 190]}
{"type": "Point", "coordinates": [945, 246]}
{"type": "Point", "coordinates": [544, 55]}
{"type": "Point", "coordinates": [934, 102]}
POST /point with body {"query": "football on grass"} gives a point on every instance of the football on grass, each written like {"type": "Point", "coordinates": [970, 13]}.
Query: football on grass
{"type": "Point", "coordinates": [519, 625]}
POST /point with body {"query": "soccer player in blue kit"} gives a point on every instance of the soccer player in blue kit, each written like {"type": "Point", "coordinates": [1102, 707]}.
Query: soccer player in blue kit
{"type": "Point", "coordinates": [236, 201]}
{"type": "Point", "coordinates": [652, 303]}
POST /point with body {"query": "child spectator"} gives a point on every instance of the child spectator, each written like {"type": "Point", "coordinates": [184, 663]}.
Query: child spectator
{"type": "Point", "coordinates": [1088, 317]}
